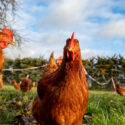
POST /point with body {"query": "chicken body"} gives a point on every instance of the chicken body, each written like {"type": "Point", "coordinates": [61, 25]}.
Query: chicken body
{"type": "Point", "coordinates": [63, 94]}
{"type": "Point", "coordinates": [1, 63]}
{"type": "Point", "coordinates": [1, 59]}
{"type": "Point", "coordinates": [120, 90]}
{"type": "Point", "coordinates": [31, 86]}
{"type": "Point", "coordinates": [49, 68]}
{"type": "Point", "coordinates": [6, 37]}
{"type": "Point", "coordinates": [1, 81]}
{"type": "Point", "coordinates": [16, 86]}
{"type": "Point", "coordinates": [24, 86]}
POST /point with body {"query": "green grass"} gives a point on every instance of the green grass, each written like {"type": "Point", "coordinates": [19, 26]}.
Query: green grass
{"type": "Point", "coordinates": [104, 108]}
{"type": "Point", "coordinates": [9, 107]}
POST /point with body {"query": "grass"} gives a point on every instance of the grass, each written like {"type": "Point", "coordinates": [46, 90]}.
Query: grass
{"type": "Point", "coordinates": [10, 100]}
{"type": "Point", "coordinates": [104, 108]}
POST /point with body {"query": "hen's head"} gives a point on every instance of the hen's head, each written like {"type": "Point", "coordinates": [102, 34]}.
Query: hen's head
{"type": "Point", "coordinates": [52, 60]}
{"type": "Point", "coordinates": [6, 37]}
{"type": "Point", "coordinates": [72, 49]}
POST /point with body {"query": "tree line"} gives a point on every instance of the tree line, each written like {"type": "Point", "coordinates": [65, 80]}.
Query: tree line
{"type": "Point", "coordinates": [103, 68]}
{"type": "Point", "coordinates": [100, 68]}
{"type": "Point", "coordinates": [34, 75]}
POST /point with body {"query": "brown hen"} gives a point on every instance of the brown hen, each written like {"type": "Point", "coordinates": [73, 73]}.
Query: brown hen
{"type": "Point", "coordinates": [63, 94]}
{"type": "Point", "coordinates": [24, 86]}
{"type": "Point", "coordinates": [59, 61]}
{"type": "Point", "coordinates": [120, 90]}
{"type": "Point", "coordinates": [6, 37]}
{"type": "Point", "coordinates": [51, 65]}
{"type": "Point", "coordinates": [31, 86]}
{"type": "Point", "coordinates": [16, 85]}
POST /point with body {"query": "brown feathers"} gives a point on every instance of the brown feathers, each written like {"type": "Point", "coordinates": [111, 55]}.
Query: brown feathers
{"type": "Point", "coordinates": [25, 84]}
{"type": "Point", "coordinates": [63, 94]}
{"type": "Point", "coordinates": [31, 86]}
{"type": "Point", "coordinates": [16, 86]}
{"type": "Point", "coordinates": [120, 90]}
{"type": "Point", "coordinates": [51, 65]}
{"type": "Point", "coordinates": [6, 37]}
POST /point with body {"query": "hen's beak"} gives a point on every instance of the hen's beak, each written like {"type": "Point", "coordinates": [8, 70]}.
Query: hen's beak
{"type": "Point", "coordinates": [11, 42]}
{"type": "Point", "coordinates": [70, 48]}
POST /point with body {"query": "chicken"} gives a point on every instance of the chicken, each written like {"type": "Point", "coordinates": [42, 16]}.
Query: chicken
{"type": "Point", "coordinates": [59, 61]}
{"type": "Point", "coordinates": [51, 65]}
{"type": "Point", "coordinates": [6, 37]}
{"type": "Point", "coordinates": [120, 90]}
{"type": "Point", "coordinates": [31, 86]}
{"type": "Point", "coordinates": [63, 94]}
{"type": "Point", "coordinates": [24, 86]}
{"type": "Point", "coordinates": [16, 86]}
{"type": "Point", "coordinates": [1, 81]}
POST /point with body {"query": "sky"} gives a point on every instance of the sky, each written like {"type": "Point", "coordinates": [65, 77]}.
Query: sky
{"type": "Point", "coordinates": [99, 25]}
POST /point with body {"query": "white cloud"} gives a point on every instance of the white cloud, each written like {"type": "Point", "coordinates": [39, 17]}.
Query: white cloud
{"type": "Point", "coordinates": [64, 13]}
{"type": "Point", "coordinates": [33, 50]}
{"type": "Point", "coordinates": [45, 28]}
{"type": "Point", "coordinates": [114, 29]}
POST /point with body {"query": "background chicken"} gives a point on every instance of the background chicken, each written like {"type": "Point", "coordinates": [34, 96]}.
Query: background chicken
{"type": "Point", "coordinates": [6, 37]}
{"type": "Point", "coordinates": [63, 94]}
{"type": "Point", "coordinates": [49, 68]}
{"type": "Point", "coordinates": [59, 61]}
{"type": "Point", "coordinates": [16, 86]}
{"type": "Point", "coordinates": [51, 65]}
{"type": "Point", "coordinates": [24, 86]}
{"type": "Point", "coordinates": [120, 90]}
{"type": "Point", "coordinates": [31, 86]}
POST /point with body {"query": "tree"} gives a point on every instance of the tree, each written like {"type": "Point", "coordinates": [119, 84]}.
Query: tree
{"type": "Point", "coordinates": [18, 63]}
{"type": "Point", "coordinates": [9, 7]}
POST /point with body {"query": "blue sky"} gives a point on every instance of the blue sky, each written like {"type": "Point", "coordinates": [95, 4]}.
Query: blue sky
{"type": "Point", "coordinates": [99, 26]}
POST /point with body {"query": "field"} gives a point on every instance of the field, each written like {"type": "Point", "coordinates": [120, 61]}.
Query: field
{"type": "Point", "coordinates": [104, 108]}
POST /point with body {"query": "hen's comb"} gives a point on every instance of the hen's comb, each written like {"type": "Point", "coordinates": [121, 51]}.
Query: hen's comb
{"type": "Point", "coordinates": [8, 32]}
{"type": "Point", "coordinates": [72, 38]}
